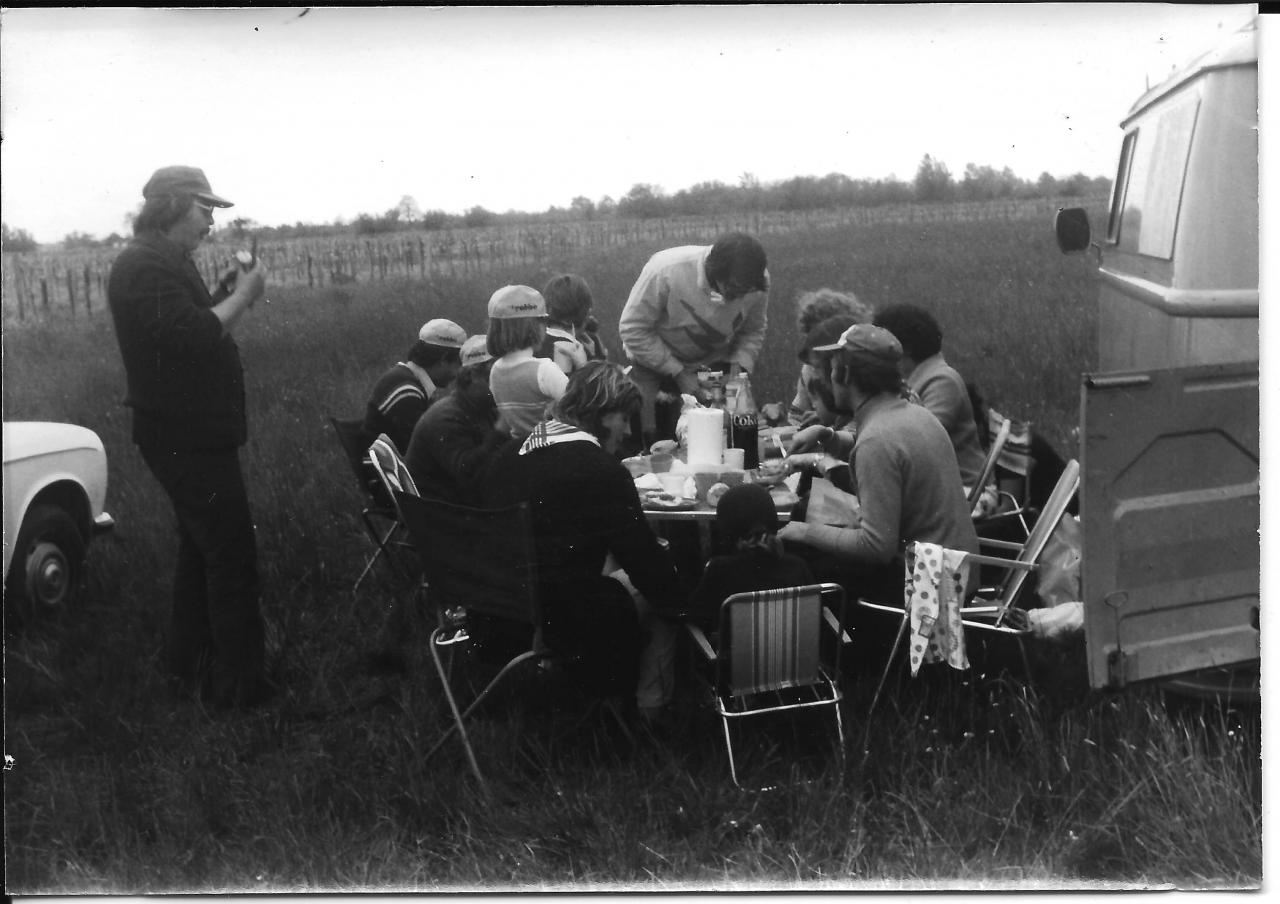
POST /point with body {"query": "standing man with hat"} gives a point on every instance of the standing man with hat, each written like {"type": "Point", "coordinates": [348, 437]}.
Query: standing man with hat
{"type": "Point", "coordinates": [904, 467]}
{"type": "Point", "coordinates": [403, 393]}
{"type": "Point", "coordinates": [185, 386]}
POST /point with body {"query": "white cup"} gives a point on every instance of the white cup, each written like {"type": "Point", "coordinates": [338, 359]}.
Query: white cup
{"type": "Point", "coordinates": [734, 458]}
{"type": "Point", "coordinates": [673, 483]}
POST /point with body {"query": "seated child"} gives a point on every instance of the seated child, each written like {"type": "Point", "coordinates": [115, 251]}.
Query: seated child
{"type": "Point", "coordinates": [748, 523]}
{"type": "Point", "coordinates": [522, 385]}
{"type": "Point", "coordinates": [568, 299]}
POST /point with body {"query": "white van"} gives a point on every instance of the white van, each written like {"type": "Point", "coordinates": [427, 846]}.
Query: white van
{"type": "Point", "coordinates": [1169, 426]}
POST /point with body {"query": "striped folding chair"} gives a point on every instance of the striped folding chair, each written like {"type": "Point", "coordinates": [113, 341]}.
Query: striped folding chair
{"type": "Point", "coordinates": [770, 656]}
{"type": "Point", "coordinates": [378, 514]}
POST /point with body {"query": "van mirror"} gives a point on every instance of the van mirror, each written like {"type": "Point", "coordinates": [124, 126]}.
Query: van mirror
{"type": "Point", "coordinates": [1071, 225]}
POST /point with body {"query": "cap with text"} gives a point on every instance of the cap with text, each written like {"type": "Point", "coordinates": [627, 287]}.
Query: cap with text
{"type": "Point", "coordinates": [511, 302]}
{"type": "Point", "coordinates": [444, 333]}
{"type": "Point", "coordinates": [476, 351]}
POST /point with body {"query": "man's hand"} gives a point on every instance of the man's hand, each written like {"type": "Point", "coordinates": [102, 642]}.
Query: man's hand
{"type": "Point", "coordinates": [252, 282]}
{"type": "Point", "coordinates": [687, 383]}
{"type": "Point", "coordinates": [810, 439]}
{"type": "Point", "coordinates": [793, 532]}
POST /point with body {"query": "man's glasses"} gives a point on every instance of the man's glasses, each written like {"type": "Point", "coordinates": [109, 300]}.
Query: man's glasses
{"type": "Point", "coordinates": [207, 208]}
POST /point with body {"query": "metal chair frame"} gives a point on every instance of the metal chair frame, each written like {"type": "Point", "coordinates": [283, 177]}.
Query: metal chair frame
{"type": "Point", "coordinates": [781, 678]}
{"type": "Point", "coordinates": [378, 514]}
{"type": "Point", "coordinates": [997, 613]}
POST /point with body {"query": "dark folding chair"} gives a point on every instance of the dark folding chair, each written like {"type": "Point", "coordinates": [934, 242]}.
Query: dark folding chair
{"type": "Point", "coordinates": [482, 562]}
{"type": "Point", "coordinates": [378, 515]}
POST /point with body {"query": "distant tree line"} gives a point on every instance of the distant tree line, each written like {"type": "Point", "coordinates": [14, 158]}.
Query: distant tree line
{"type": "Point", "coordinates": [933, 182]}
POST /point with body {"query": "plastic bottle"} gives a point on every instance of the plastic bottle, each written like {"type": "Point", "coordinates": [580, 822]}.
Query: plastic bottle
{"type": "Point", "coordinates": [745, 433]}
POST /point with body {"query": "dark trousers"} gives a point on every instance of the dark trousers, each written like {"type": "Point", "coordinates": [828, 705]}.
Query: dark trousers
{"type": "Point", "coordinates": [215, 632]}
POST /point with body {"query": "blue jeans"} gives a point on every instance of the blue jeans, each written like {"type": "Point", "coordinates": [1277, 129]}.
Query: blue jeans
{"type": "Point", "coordinates": [215, 632]}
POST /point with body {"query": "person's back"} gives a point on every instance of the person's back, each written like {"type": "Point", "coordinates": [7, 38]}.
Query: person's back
{"type": "Point", "coordinates": [408, 388]}
{"type": "Point", "coordinates": [942, 390]}
{"type": "Point", "coordinates": [905, 473]}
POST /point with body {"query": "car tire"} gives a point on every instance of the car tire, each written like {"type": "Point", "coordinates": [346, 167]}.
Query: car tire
{"type": "Point", "coordinates": [46, 575]}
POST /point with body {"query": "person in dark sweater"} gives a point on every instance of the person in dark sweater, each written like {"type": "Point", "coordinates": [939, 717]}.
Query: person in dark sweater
{"type": "Point", "coordinates": [186, 391]}
{"type": "Point", "coordinates": [408, 388]}
{"type": "Point", "coordinates": [585, 511]}
{"type": "Point", "coordinates": [453, 442]}
{"type": "Point", "coordinates": [748, 523]}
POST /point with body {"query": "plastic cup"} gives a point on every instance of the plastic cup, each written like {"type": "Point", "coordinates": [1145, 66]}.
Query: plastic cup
{"type": "Point", "coordinates": [673, 484]}
{"type": "Point", "coordinates": [705, 480]}
{"type": "Point", "coordinates": [660, 462]}
{"type": "Point", "coordinates": [637, 465]}
{"type": "Point", "coordinates": [734, 458]}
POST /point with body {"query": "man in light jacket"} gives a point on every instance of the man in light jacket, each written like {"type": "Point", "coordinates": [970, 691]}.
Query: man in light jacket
{"type": "Point", "coordinates": [693, 306]}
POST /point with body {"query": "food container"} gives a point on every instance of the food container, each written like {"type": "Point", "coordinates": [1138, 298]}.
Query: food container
{"type": "Point", "coordinates": [637, 465]}
{"type": "Point", "coordinates": [672, 483]}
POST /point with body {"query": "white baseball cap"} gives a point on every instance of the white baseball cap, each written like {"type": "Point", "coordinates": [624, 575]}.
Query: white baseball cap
{"type": "Point", "coordinates": [444, 333]}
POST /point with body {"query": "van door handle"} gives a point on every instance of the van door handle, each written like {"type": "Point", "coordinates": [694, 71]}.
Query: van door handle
{"type": "Point", "coordinates": [1125, 381]}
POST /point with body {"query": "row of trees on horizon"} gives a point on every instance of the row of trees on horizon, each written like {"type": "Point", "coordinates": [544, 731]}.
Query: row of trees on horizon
{"type": "Point", "coordinates": [933, 182]}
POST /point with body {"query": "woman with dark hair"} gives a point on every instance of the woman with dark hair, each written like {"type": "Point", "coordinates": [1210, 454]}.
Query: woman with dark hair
{"type": "Point", "coordinates": [586, 511]}
{"type": "Point", "coordinates": [904, 471]}
{"type": "Point", "coordinates": [940, 388]}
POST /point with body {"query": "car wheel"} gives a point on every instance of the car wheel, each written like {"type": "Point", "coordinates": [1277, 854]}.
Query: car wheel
{"type": "Point", "coordinates": [46, 575]}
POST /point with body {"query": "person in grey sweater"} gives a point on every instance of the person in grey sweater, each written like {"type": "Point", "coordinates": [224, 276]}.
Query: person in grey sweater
{"type": "Point", "coordinates": [904, 467]}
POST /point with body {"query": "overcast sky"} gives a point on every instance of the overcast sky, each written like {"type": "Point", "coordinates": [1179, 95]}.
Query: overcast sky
{"type": "Point", "coordinates": [343, 111]}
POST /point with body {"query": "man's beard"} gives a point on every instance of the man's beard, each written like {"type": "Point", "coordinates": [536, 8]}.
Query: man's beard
{"type": "Point", "coordinates": [828, 399]}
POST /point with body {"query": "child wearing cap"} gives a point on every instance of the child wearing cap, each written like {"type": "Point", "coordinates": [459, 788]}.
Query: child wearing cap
{"type": "Point", "coordinates": [748, 521]}
{"type": "Point", "coordinates": [409, 387]}
{"type": "Point", "coordinates": [568, 299]}
{"type": "Point", "coordinates": [523, 385]}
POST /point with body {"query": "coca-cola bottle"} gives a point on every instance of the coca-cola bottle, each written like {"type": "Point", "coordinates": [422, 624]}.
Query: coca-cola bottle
{"type": "Point", "coordinates": [746, 425]}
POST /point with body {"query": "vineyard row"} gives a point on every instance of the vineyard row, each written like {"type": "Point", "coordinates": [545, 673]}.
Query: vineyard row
{"type": "Point", "coordinates": [39, 284]}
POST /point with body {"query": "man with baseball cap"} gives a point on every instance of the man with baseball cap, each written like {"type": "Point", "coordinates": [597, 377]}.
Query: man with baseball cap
{"type": "Point", "coordinates": [408, 388]}
{"type": "Point", "coordinates": [904, 467]}
{"type": "Point", "coordinates": [185, 386]}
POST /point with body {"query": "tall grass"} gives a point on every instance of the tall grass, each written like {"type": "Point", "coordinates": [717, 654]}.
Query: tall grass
{"type": "Point", "coordinates": [980, 781]}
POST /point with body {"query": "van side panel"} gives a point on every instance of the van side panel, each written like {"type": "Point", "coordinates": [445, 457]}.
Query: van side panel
{"type": "Point", "coordinates": [1169, 501]}
{"type": "Point", "coordinates": [1192, 300]}
{"type": "Point", "coordinates": [1132, 332]}
{"type": "Point", "coordinates": [1217, 240]}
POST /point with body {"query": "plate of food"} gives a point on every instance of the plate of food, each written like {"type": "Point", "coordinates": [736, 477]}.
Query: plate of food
{"type": "Point", "coordinates": [783, 498]}
{"type": "Point", "coordinates": [662, 501]}
{"type": "Point", "coordinates": [772, 472]}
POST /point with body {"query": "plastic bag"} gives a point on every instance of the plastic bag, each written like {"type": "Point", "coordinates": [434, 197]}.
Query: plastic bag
{"type": "Point", "coordinates": [1059, 573]}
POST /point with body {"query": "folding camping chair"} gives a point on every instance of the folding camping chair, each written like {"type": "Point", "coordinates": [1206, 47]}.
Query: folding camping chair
{"type": "Point", "coordinates": [1003, 515]}
{"type": "Point", "coordinates": [392, 473]}
{"type": "Point", "coordinates": [481, 561]}
{"type": "Point", "coordinates": [770, 655]}
{"type": "Point", "coordinates": [995, 609]}
{"type": "Point", "coordinates": [378, 515]}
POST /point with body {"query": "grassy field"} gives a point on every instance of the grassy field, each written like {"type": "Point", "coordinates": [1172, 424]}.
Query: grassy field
{"type": "Point", "coordinates": [986, 780]}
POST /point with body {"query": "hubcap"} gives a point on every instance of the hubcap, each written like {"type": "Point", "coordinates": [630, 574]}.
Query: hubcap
{"type": "Point", "coordinates": [48, 574]}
